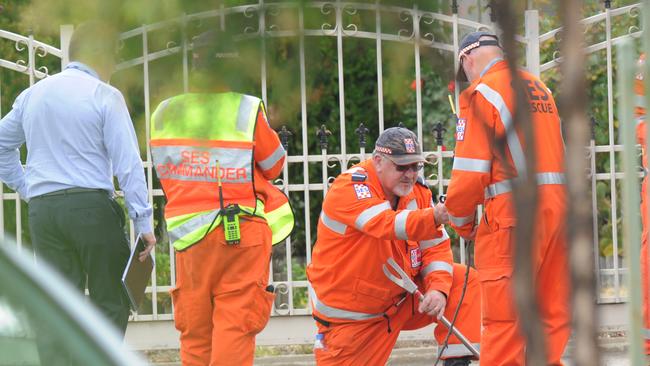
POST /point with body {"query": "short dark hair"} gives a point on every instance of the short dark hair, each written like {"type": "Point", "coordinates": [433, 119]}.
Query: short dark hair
{"type": "Point", "coordinates": [93, 39]}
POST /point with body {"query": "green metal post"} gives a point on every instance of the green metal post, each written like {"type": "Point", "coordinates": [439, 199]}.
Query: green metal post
{"type": "Point", "coordinates": [631, 225]}
{"type": "Point", "coordinates": [646, 72]}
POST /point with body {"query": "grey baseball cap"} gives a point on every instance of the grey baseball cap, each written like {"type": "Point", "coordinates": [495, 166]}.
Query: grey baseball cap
{"type": "Point", "coordinates": [400, 145]}
{"type": "Point", "coordinates": [470, 42]}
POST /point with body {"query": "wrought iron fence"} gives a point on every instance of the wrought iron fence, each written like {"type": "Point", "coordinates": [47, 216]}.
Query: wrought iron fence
{"type": "Point", "coordinates": [316, 154]}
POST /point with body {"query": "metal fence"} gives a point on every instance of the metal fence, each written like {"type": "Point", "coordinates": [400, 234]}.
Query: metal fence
{"type": "Point", "coordinates": [307, 173]}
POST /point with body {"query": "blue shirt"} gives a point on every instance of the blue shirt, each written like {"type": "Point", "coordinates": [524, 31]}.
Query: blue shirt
{"type": "Point", "coordinates": [79, 134]}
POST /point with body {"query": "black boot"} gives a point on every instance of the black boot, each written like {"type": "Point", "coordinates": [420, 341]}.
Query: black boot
{"type": "Point", "coordinates": [459, 361]}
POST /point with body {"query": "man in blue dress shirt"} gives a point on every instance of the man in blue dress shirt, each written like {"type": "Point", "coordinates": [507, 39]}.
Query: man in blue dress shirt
{"type": "Point", "coordinates": [79, 135]}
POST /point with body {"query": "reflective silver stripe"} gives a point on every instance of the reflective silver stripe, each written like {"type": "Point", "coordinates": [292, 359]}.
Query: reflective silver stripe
{"type": "Point", "coordinates": [460, 221]}
{"type": "Point", "coordinates": [370, 213]}
{"type": "Point", "coordinates": [505, 186]}
{"type": "Point", "coordinates": [244, 114]}
{"type": "Point", "coordinates": [400, 224]}
{"type": "Point", "coordinates": [332, 312]}
{"type": "Point", "coordinates": [640, 101]}
{"type": "Point", "coordinates": [437, 266]}
{"type": "Point", "coordinates": [550, 178]}
{"type": "Point", "coordinates": [412, 205]}
{"type": "Point", "coordinates": [498, 188]}
{"type": "Point", "coordinates": [426, 244]}
{"type": "Point", "coordinates": [192, 225]}
{"type": "Point", "coordinates": [171, 163]}
{"type": "Point", "coordinates": [514, 145]}
{"type": "Point", "coordinates": [335, 226]}
{"type": "Point", "coordinates": [458, 350]}
{"type": "Point", "coordinates": [472, 165]}
{"type": "Point", "coordinates": [269, 162]}
{"type": "Point", "coordinates": [646, 333]}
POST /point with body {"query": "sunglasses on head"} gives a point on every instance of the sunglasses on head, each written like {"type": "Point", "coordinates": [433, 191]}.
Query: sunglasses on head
{"type": "Point", "coordinates": [416, 167]}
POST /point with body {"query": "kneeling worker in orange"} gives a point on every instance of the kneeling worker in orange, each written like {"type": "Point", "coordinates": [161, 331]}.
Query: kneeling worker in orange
{"type": "Point", "coordinates": [214, 152]}
{"type": "Point", "coordinates": [376, 210]}
{"type": "Point", "coordinates": [480, 175]}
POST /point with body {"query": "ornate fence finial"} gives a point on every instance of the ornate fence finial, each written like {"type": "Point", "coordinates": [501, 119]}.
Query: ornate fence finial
{"type": "Point", "coordinates": [493, 13]}
{"type": "Point", "coordinates": [608, 4]}
{"type": "Point", "coordinates": [438, 129]}
{"type": "Point", "coordinates": [284, 137]}
{"type": "Point", "coordinates": [322, 134]}
{"type": "Point", "coordinates": [400, 124]}
{"type": "Point", "coordinates": [362, 131]}
{"type": "Point", "coordinates": [454, 7]}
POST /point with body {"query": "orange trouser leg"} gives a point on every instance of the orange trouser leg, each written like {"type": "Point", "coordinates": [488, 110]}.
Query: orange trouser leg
{"type": "Point", "coordinates": [367, 342]}
{"type": "Point", "coordinates": [501, 341]}
{"type": "Point", "coordinates": [645, 283]}
{"type": "Point", "coordinates": [370, 343]}
{"type": "Point", "coordinates": [553, 285]}
{"type": "Point", "coordinates": [220, 302]}
{"type": "Point", "coordinates": [468, 320]}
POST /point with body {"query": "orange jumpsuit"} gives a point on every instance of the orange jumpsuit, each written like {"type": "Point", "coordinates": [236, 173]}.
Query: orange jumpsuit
{"type": "Point", "coordinates": [481, 176]}
{"type": "Point", "coordinates": [357, 308]}
{"type": "Point", "coordinates": [640, 113]}
{"type": "Point", "coordinates": [220, 299]}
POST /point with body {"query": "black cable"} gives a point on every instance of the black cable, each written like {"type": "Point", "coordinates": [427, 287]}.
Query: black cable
{"type": "Point", "coordinates": [445, 344]}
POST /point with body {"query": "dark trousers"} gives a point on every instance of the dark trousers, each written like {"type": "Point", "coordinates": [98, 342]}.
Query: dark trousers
{"type": "Point", "coordinates": [82, 235]}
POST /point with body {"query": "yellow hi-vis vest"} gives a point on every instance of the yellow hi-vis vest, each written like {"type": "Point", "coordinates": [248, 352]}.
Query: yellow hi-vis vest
{"type": "Point", "coordinates": [190, 132]}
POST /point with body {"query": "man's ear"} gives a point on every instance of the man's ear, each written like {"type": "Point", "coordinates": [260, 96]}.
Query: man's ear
{"type": "Point", "coordinates": [377, 160]}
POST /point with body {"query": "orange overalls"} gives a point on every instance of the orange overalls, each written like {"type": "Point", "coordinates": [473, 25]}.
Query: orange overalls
{"type": "Point", "coordinates": [640, 113]}
{"type": "Point", "coordinates": [357, 308]}
{"type": "Point", "coordinates": [220, 299]}
{"type": "Point", "coordinates": [481, 176]}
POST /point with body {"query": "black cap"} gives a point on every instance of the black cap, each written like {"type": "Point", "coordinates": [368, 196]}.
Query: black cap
{"type": "Point", "coordinates": [399, 145]}
{"type": "Point", "coordinates": [470, 42]}
{"type": "Point", "coordinates": [211, 46]}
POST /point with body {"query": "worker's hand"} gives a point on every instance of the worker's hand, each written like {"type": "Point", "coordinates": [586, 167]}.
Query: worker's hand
{"type": "Point", "coordinates": [471, 235]}
{"type": "Point", "coordinates": [149, 242]}
{"type": "Point", "coordinates": [434, 304]}
{"type": "Point", "coordinates": [440, 214]}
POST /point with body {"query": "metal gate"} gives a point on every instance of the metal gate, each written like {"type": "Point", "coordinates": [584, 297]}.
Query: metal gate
{"type": "Point", "coordinates": [315, 158]}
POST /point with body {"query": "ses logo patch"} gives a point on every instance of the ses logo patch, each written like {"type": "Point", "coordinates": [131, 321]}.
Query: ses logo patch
{"type": "Point", "coordinates": [362, 191]}
{"type": "Point", "coordinates": [460, 129]}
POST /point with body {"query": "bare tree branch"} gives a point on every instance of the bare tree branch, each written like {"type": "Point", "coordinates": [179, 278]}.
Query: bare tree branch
{"type": "Point", "coordinates": [573, 106]}
{"type": "Point", "coordinates": [525, 197]}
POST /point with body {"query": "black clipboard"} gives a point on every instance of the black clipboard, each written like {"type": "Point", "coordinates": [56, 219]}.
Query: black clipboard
{"type": "Point", "coordinates": [137, 274]}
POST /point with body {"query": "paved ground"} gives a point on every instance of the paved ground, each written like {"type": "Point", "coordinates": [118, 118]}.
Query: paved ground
{"type": "Point", "coordinates": [613, 354]}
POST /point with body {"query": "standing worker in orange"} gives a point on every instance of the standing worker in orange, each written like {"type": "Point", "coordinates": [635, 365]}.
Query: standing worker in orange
{"type": "Point", "coordinates": [482, 175]}
{"type": "Point", "coordinates": [640, 114]}
{"type": "Point", "coordinates": [214, 153]}
{"type": "Point", "coordinates": [376, 210]}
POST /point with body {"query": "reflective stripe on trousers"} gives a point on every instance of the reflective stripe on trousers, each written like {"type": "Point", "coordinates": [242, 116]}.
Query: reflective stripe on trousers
{"type": "Point", "coordinates": [332, 312]}
{"type": "Point", "coordinates": [505, 186]}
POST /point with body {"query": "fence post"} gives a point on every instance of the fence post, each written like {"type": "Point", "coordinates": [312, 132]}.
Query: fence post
{"type": "Point", "coordinates": [532, 41]}
{"type": "Point", "coordinates": [65, 34]}
{"type": "Point", "coordinates": [630, 199]}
